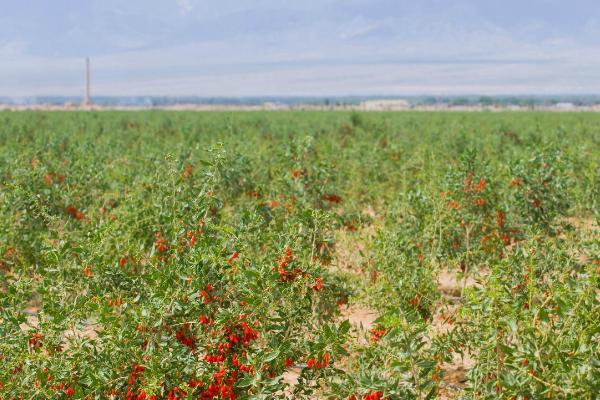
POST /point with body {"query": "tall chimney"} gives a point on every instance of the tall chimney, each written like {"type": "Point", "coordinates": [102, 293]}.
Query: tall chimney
{"type": "Point", "coordinates": [87, 101]}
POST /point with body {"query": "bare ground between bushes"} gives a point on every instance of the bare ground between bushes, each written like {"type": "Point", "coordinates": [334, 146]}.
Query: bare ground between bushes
{"type": "Point", "coordinates": [352, 255]}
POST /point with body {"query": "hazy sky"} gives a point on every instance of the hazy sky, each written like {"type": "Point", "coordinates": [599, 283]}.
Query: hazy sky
{"type": "Point", "coordinates": [303, 47]}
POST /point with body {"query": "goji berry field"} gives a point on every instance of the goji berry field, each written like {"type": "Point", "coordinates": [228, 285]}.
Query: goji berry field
{"type": "Point", "coordinates": [299, 255]}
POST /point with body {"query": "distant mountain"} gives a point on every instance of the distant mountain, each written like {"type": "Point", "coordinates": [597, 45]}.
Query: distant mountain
{"type": "Point", "coordinates": [158, 101]}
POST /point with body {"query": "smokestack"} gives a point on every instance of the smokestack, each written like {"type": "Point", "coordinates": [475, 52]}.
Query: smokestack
{"type": "Point", "coordinates": [88, 100]}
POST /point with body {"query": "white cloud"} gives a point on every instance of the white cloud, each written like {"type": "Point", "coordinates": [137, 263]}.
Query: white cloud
{"type": "Point", "coordinates": [334, 47]}
{"type": "Point", "coordinates": [185, 6]}
{"type": "Point", "coordinates": [358, 27]}
{"type": "Point", "coordinates": [10, 48]}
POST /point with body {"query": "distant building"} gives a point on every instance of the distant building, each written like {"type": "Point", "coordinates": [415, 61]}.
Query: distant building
{"type": "Point", "coordinates": [269, 105]}
{"type": "Point", "coordinates": [564, 106]}
{"type": "Point", "coordinates": [385, 105]}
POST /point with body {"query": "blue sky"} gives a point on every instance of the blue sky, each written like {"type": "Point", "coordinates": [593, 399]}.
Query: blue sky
{"type": "Point", "coordinates": [319, 48]}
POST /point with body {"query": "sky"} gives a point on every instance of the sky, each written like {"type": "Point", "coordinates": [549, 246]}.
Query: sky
{"type": "Point", "coordinates": [299, 48]}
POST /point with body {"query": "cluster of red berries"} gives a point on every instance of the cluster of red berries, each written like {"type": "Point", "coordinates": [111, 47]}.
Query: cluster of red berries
{"type": "Point", "coordinates": [160, 244]}
{"type": "Point", "coordinates": [377, 334]}
{"type": "Point", "coordinates": [191, 238]}
{"type": "Point", "coordinates": [296, 173]}
{"type": "Point", "coordinates": [318, 286]}
{"type": "Point", "coordinates": [316, 363]}
{"type": "Point", "coordinates": [469, 184]}
{"type": "Point", "coordinates": [285, 274]}
{"type": "Point", "coordinates": [231, 259]}
{"type": "Point", "coordinates": [376, 395]}
{"type": "Point", "coordinates": [469, 187]}
{"type": "Point", "coordinates": [69, 391]}
{"type": "Point", "coordinates": [228, 351]}
{"type": "Point", "coordinates": [332, 198]}
{"type": "Point", "coordinates": [136, 373]}
{"type": "Point", "coordinates": [35, 341]}
{"type": "Point", "coordinates": [49, 178]}
{"type": "Point", "coordinates": [206, 294]}
{"type": "Point", "coordinates": [75, 213]}
{"type": "Point", "coordinates": [184, 336]}
{"type": "Point", "coordinates": [187, 171]}
{"type": "Point", "coordinates": [57, 387]}
{"type": "Point", "coordinates": [118, 301]}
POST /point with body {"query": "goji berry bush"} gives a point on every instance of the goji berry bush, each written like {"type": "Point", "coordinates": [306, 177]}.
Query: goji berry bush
{"type": "Point", "coordinates": [299, 255]}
